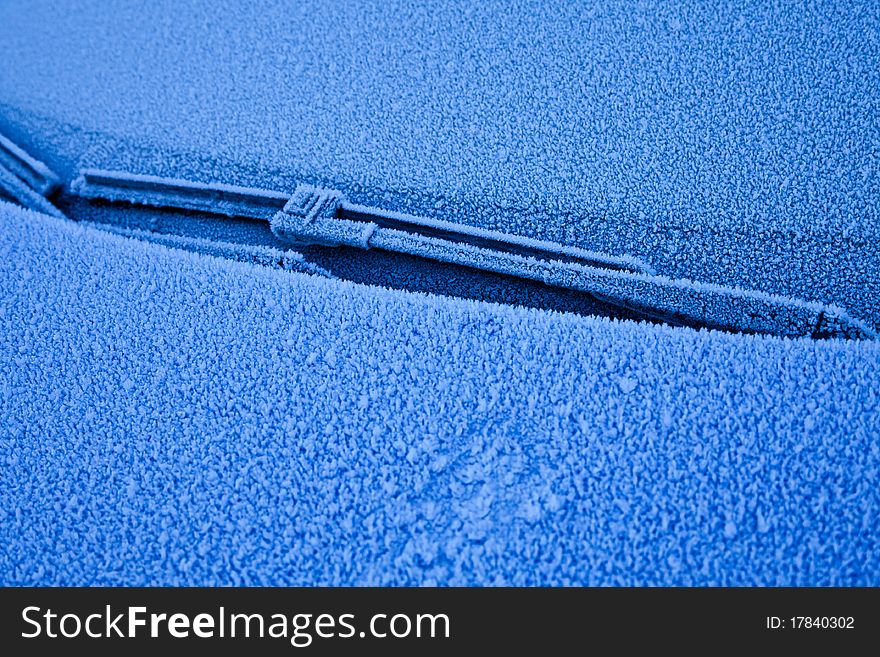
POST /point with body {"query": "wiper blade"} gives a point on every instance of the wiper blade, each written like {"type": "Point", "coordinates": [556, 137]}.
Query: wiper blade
{"type": "Point", "coordinates": [255, 203]}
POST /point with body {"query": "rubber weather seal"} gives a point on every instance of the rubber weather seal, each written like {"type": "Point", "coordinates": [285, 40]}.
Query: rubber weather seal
{"type": "Point", "coordinates": [264, 256]}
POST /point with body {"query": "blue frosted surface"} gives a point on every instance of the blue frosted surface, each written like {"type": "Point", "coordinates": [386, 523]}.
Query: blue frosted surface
{"type": "Point", "coordinates": [174, 418]}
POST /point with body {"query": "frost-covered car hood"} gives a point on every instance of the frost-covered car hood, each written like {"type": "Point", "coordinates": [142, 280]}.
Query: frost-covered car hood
{"type": "Point", "coordinates": [174, 418]}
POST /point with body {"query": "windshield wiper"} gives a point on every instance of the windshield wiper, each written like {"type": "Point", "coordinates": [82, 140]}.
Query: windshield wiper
{"type": "Point", "coordinates": [319, 216]}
